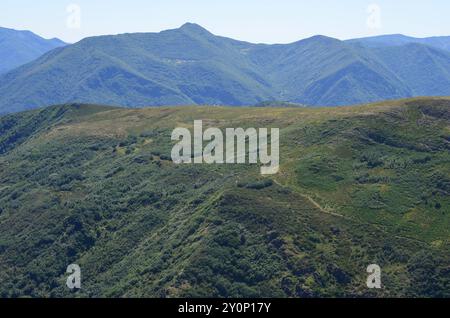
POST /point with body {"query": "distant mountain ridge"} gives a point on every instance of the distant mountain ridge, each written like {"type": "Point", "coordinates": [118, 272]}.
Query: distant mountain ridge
{"type": "Point", "coordinates": [20, 47]}
{"type": "Point", "coordinates": [190, 65]}
{"type": "Point", "coordinates": [439, 42]}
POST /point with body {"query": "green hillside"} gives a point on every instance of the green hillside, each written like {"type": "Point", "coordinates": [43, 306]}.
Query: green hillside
{"type": "Point", "coordinates": [95, 186]}
{"type": "Point", "coordinates": [191, 66]}
{"type": "Point", "coordinates": [185, 66]}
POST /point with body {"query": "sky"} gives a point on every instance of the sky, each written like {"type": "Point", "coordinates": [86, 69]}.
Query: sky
{"type": "Point", "coordinates": [258, 21]}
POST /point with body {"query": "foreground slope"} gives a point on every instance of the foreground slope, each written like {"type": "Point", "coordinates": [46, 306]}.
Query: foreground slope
{"type": "Point", "coordinates": [20, 47]}
{"type": "Point", "coordinates": [95, 186]}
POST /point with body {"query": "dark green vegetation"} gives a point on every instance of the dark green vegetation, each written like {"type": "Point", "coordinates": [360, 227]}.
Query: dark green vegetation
{"type": "Point", "coordinates": [95, 186]}
{"type": "Point", "coordinates": [189, 65]}
{"type": "Point", "coordinates": [20, 47]}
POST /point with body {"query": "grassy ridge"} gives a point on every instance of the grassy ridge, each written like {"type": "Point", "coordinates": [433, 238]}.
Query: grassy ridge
{"type": "Point", "coordinates": [95, 186]}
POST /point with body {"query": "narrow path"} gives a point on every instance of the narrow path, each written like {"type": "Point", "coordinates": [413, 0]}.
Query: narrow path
{"type": "Point", "coordinates": [317, 205]}
{"type": "Point", "coordinates": [378, 227]}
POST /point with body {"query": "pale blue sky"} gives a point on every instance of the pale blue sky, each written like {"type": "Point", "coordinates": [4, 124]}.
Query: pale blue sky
{"type": "Point", "coordinates": [267, 21]}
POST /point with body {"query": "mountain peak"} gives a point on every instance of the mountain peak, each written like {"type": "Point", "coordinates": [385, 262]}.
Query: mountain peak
{"type": "Point", "coordinates": [19, 47]}
{"type": "Point", "coordinates": [193, 27]}
{"type": "Point", "coordinates": [320, 39]}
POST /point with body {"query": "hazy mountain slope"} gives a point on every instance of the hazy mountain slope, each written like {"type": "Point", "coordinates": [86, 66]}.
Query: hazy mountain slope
{"type": "Point", "coordinates": [424, 70]}
{"type": "Point", "coordinates": [383, 40]}
{"type": "Point", "coordinates": [96, 187]}
{"type": "Point", "coordinates": [190, 65]}
{"type": "Point", "coordinates": [184, 66]}
{"type": "Point", "coordinates": [20, 47]}
{"type": "Point", "coordinates": [326, 71]}
{"type": "Point", "coordinates": [439, 42]}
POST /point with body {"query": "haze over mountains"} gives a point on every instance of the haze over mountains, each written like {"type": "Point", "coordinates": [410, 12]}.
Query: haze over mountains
{"type": "Point", "coordinates": [439, 42]}
{"type": "Point", "coordinates": [190, 65]}
{"type": "Point", "coordinates": [20, 47]}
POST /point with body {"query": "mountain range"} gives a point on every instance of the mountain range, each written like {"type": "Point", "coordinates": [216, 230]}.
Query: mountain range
{"type": "Point", "coordinates": [20, 47]}
{"type": "Point", "coordinates": [190, 65]}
